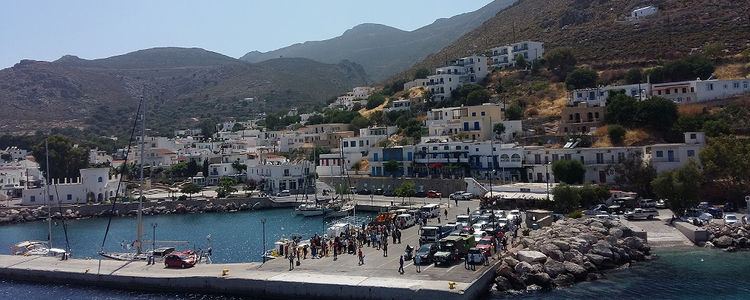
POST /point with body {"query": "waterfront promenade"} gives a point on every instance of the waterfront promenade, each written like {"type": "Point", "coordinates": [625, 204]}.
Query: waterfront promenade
{"type": "Point", "coordinates": [342, 278]}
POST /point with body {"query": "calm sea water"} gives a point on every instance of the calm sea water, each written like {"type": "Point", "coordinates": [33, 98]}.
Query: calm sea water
{"type": "Point", "coordinates": [689, 273]}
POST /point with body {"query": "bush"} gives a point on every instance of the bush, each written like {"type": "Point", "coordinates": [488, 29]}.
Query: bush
{"type": "Point", "coordinates": [581, 78]}
{"type": "Point", "coordinates": [616, 134]}
{"type": "Point", "coordinates": [569, 171]}
{"type": "Point", "coordinates": [514, 112]}
{"type": "Point", "coordinates": [634, 75]}
{"type": "Point", "coordinates": [560, 61]}
{"type": "Point", "coordinates": [374, 101]}
{"type": "Point", "coordinates": [182, 198]}
{"type": "Point", "coordinates": [575, 214]}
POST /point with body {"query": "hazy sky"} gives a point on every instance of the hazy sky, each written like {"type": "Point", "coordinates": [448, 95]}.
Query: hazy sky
{"type": "Point", "coordinates": [47, 30]}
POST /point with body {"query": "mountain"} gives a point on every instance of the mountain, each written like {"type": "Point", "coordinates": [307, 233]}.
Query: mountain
{"type": "Point", "coordinates": [181, 85]}
{"type": "Point", "coordinates": [596, 30]}
{"type": "Point", "coordinates": [383, 50]}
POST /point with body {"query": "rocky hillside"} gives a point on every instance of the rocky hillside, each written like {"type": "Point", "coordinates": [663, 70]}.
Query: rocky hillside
{"type": "Point", "coordinates": [383, 50]}
{"type": "Point", "coordinates": [597, 30]}
{"type": "Point", "coordinates": [182, 86]}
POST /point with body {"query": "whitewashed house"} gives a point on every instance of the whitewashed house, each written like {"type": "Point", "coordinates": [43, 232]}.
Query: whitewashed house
{"type": "Point", "coordinates": [505, 56]}
{"type": "Point", "coordinates": [277, 174]}
{"type": "Point", "coordinates": [94, 185]}
{"type": "Point", "coordinates": [643, 12]}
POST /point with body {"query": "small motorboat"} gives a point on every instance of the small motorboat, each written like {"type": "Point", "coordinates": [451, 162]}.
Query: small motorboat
{"type": "Point", "coordinates": [41, 248]}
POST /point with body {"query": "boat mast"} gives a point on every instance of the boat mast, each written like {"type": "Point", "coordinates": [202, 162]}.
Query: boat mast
{"type": "Point", "coordinates": [140, 185]}
{"type": "Point", "coordinates": [49, 212]}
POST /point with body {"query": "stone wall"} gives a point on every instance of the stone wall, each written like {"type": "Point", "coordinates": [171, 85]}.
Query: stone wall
{"type": "Point", "coordinates": [445, 186]}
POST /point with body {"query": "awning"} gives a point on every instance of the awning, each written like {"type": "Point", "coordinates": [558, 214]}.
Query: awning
{"type": "Point", "coordinates": [518, 195]}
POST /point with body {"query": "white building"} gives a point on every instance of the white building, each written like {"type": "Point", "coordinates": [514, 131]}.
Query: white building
{"type": "Point", "coordinates": [643, 12]}
{"type": "Point", "coordinates": [598, 96]}
{"type": "Point", "coordinates": [680, 92]}
{"type": "Point", "coordinates": [403, 155]}
{"type": "Point", "coordinates": [505, 56]}
{"type": "Point", "coordinates": [362, 92]}
{"type": "Point", "coordinates": [416, 83]}
{"type": "Point", "coordinates": [94, 185]}
{"type": "Point", "coordinates": [470, 69]}
{"type": "Point", "coordinates": [665, 157]}
{"type": "Point", "coordinates": [15, 153]}
{"type": "Point", "coordinates": [442, 85]}
{"type": "Point", "coordinates": [336, 164]}
{"type": "Point", "coordinates": [477, 159]}
{"type": "Point", "coordinates": [275, 174]}
{"type": "Point", "coordinates": [99, 157]}
{"type": "Point", "coordinates": [404, 104]}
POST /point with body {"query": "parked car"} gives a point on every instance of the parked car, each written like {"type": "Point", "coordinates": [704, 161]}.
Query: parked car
{"type": "Point", "coordinates": [180, 260]}
{"type": "Point", "coordinates": [703, 205]}
{"type": "Point", "coordinates": [420, 194]}
{"type": "Point", "coordinates": [730, 219]}
{"type": "Point", "coordinates": [746, 220]}
{"type": "Point", "coordinates": [599, 208]}
{"type": "Point", "coordinates": [661, 203]}
{"type": "Point", "coordinates": [647, 203]}
{"type": "Point", "coordinates": [730, 207]}
{"type": "Point", "coordinates": [715, 212]}
{"type": "Point", "coordinates": [456, 195]}
{"type": "Point", "coordinates": [434, 194]}
{"type": "Point", "coordinates": [485, 243]}
{"type": "Point", "coordinates": [378, 192]}
{"type": "Point", "coordinates": [475, 256]}
{"type": "Point", "coordinates": [426, 252]}
{"type": "Point", "coordinates": [364, 191]}
{"type": "Point", "coordinates": [641, 213]}
{"type": "Point", "coordinates": [389, 193]}
{"type": "Point", "coordinates": [283, 193]}
{"type": "Point", "coordinates": [467, 196]}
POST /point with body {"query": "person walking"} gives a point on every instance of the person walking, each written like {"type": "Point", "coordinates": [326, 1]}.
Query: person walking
{"type": "Point", "coordinates": [417, 261]}
{"type": "Point", "coordinates": [456, 198]}
{"type": "Point", "coordinates": [385, 248]}
{"type": "Point", "coordinates": [393, 235]}
{"type": "Point", "coordinates": [291, 261]}
{"type": "Point", "coordinates": [361, 257]}
{"type": "Point", "coordinates": [398, 236]}
{"type": "Point", "coordinates": [401, 264]}
{"type": "Point", "coordinates": [446, 214]}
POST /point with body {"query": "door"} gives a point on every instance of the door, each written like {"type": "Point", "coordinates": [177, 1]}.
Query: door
{"type": "Point", "coordinates": [602, 176]}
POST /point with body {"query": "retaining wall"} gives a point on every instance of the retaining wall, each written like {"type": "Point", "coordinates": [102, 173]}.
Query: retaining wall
{"type": "Point", "coordinates": [693, 233]}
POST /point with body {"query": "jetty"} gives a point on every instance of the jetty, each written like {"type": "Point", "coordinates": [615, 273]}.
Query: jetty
{"type": "Point", "coordinates": [342, 278]}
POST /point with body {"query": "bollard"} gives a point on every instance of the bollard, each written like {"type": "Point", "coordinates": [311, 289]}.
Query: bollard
{"type": "Point", "coordinates": [452, 284]}
{"type": "Point", "coordinates": [87, 271]}
{"type": "Point", "coordinates": [224, 272]}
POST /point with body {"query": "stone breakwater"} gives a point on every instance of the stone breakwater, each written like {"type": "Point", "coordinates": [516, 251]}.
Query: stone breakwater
{"type": "Point", "coordinates": [30, 214]}
{"type": "Point", "coordinates": [569, 251]}
{"type": "Point", "coordinates": [729, 237]}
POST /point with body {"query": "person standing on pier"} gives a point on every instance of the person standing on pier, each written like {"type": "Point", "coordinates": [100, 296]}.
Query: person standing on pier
{"type": "Point", "coordinates": [393, 235]}
{"type": "Point", "coordinates": [291, 261]}
{"type": "Point", "coordinates": [385, 248]}
{"type": "Point", "coordinates": [398, 236]}
{"type": "Point", "coordinates": [401, 264]}
{"type": "Point", "coordinates": [417, 261]}
{"type": "Point", "coordinates": [361, 257]}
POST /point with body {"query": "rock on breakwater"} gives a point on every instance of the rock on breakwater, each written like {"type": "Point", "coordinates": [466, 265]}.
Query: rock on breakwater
{"type": "Point", "coordinates": [569, 251]}
{"type": "Point", "coordinates": [730, 237]}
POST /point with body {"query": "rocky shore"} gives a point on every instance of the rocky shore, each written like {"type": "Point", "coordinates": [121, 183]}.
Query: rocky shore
{"type": "Point", "coordinates": [569, 251]}
{"type": "Point", "coordinates": [729, 237]}
{"type": "Point", "coordinates": [30, 214]}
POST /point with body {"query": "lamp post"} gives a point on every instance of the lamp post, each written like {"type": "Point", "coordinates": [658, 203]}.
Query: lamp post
{"type": "Point", "coordinates": [546, 173]}
{"type": "Point", "coordinates": [153, 236]}
{"type": "Point", "coordinates": [263, 225]}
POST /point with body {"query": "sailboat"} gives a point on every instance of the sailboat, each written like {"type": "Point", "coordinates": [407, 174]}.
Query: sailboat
{"type": "Point", "coordinates": [138, 244]}
{"type": "Point", "coordinates": [43, 248]}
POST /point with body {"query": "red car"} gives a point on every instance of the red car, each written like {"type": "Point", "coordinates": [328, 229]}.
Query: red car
{"type": "Point", "coordinates": [434, 194]}
{"type": "Point", "coordinates": [183, 260]}
{"type": "Point", "coordinates": [484, 244]}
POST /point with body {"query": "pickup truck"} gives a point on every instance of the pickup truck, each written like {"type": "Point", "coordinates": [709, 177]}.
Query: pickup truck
{"type": "Point", "coordinates": [641, 213]}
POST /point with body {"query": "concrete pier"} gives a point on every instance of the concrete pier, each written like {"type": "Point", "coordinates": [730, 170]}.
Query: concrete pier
{"type": "Point", "coordinates": [324, 278]}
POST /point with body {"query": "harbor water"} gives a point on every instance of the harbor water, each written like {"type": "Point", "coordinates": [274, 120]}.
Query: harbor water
{"type": "Point", "coordinates": [681, 273]}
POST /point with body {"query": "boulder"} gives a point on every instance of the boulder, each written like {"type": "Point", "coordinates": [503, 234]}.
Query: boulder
{"type": "Point", "coordinates": [510, 261]}
{"type": "Point", "coordinates": [602, 248]}
{"type": "Point", "coordinates": [531, 256]}
{"type": "Point", "coordinates": [723, 242]}
{"type": "Point", "coordinates": [600, 261]}
{"type": "Point", "coordinates": [541, 279]}
{"type": "Point", "coordinates": [573, 256]}
{"type": "Point", "coordinates": [523, 268]}
{"type": "Point", "coordinates": [564, 280]}
{"type": "Point", "coordinates": [513, 278]}
{"type": "Point", "coordinates": [576, 270]}
{"type": "Point", "coordinates": [562, 245]}
{"type": "Point", "coordinates": [502, 284]}
{"type": "Point", "coordinates": [554, 268]}
{"type": "Point", "coordinates": [635, 243]}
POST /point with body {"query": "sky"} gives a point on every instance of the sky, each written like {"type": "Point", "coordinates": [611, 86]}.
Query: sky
{"type": "Point", "coordinates": [47, 30]}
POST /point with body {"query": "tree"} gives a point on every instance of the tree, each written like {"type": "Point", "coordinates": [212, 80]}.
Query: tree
{"type": "Point", "coordinates": [621, 110]}
{"type": "Point", "coordinates": [179, 170]}
{"type": "Point", "coordinates": [616, 133]}
{"type": "Point", "coordinates": [226, 187]}
{"type": "Point", "coordinates": [64, 158]}
{"type": "Point", "coordinates": [356, 166]}
{"type": "Point", "coordinates": [634, 75]}
{"type": "Point", "coordinates": [421, 73]}
{"type": "Point", "coordinates": [593, 194]}
{"type": "Point", "coordinates": [726, 161]}
{"type": "Point", "coordinates": [208, 128]}
{"type": "Point", "coordinates": [681, 187]}
{"type": "Point", "coordinates": [714, 128]}
{"type": "Point", "coordinates": [359, 122]}
{"type": "Point", "coordinates": [569, 171]}
{"type": "Point", "coordinates": [392, 167]}
{"type": "Point", "coordinates": [405, 190]}
{"type": "Point", "coordinates": [237, 127]}
{"type": "Point", "coordinates": [581, 78]}
{"type": "Point", "coordinates": [374, 101]}
{"type": "Point", "coordinates": [513, 112]}
{"type": "Point", "coordinates": [632, 174]}
{"type": "Point", "coordinates": [560, 61]}
{"type": "Point", "coordinates": [567, 198]}
{"type": "Point", "coordinates": [190, 189]}
{"type": "Point", "coordinates": [656, 113]}
{"type": "Point", "coordinates": [192, 168]}
{"type": "Point", "coordinates": [316, 119]}
{"type": "Point", "coordinates": [204, 169]}
{"type": "Point", "coordinates": [521, 61]}
{"type": "Point", "coordinates": [356, 106]}
{"type": "Point", "coordinates": [239, 167]}
{"type": "Point", "coordinates": [477, 97]}
{"type": "Point", "coordinates": [498, 128]}
{"type": "Point", "coordinates": [377, 118]}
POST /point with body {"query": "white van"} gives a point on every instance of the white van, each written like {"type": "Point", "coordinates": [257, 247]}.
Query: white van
{"type": "Point", "coordinates": [430, 210]}
{"type": "Point", "coordinates": [647, 203]}
{"type": "Point", "coordinates": [407, 218]}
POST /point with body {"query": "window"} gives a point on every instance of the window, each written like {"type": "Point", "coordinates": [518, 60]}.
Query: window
{"type": "Point", "coordinates": [691, 153]}
{"type": "Point", "coordinates": [100, 179]}
{"type": "Point", "coordinates": [375, 157]}
{"type": "Point", "coordinates": [446, 147]}
{"type": "Point", "coordinates": [736, 85]}
{"type": "Point", "coordinates": [476, 125]}
{"type": "Point", "coordinates": [667, 91]}
{"type": "Point", "coordinates": [659, 153]}
{"type": "Point", "coordinates": [286, 172]}
{"type": "Point", "coordinates": [70, 197]}
{"type": "Point", "coordinates": [658, 92]}
{"type": "Point", "coordinates": [474, 114]}
{"type": "Point", "coordinates": [32, 199]}
{"type": "Point", "coordinates": [744, 84]}
{"type": "Point", "coordinates": [684, 90]}
{"type": "Point", "coordinates": [458, 147]}
{"type": "Point", "coordinates": [692, 136]}
{"type": "Point", "coordinates": [483, 113]}
{"type": "Point", "coordinates": [710, 86]}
